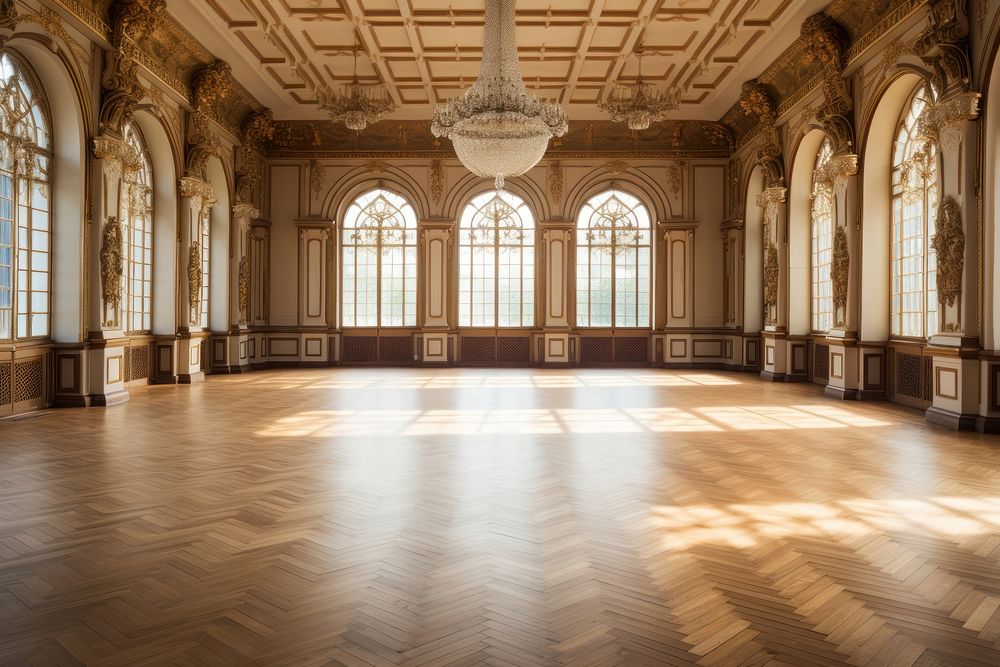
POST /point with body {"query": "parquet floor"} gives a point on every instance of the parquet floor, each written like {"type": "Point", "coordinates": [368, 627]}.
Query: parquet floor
{"type": "Point", "coordinates": [505, 517]}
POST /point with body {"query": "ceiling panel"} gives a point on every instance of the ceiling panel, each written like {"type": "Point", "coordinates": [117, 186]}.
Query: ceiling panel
{"type": "Point", "coordinates": [426, 51]}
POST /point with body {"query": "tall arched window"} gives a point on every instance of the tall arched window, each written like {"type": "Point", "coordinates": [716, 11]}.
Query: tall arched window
{"type": "Point", "coordinates": [821, 222]}
{"type": "Point", "coordinates": [913, 309]}
{"type": "Point", "coordinates": [205, 237]}
{"type": "Point", "coordinates": [496, 280]}
{"type": "Point", "coordinates": [25, 156]}
{"type": "Point", "coordinates": [379, 286]}
{"type": "Point", "coordinates": [137, 218]}
{"type": "Point", "coordinates": [613, 252]}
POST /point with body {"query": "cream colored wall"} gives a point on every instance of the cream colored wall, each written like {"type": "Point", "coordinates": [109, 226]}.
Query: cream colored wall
{"type": "Point", "coordinates": [688, 193]}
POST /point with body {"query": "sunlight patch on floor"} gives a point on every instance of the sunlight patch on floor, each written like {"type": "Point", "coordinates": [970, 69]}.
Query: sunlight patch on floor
{"type": "Point", "coordinates": [952, 518]}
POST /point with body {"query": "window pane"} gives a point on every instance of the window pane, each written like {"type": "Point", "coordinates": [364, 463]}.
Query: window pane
{"type": "Point", "coordinates": [613, 262]}
{"type": "Point", "coordinates": [496, 279]}
{"type": "Point", "coordinates": [379, 277]}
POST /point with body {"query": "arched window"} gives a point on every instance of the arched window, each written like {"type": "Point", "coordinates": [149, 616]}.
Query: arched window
{"type": "Point", "coordinates": [137, 232]}
{"type": "Point", "coordinates": [25, 156]}
{"type": "Point", "coordinates": [613, 251]}
{"type": "Point", "coordinates": [379, 286]}
{"type": "Point", "coordinates": [913, 309]}
{"type": "Point", "coordinates": [496, 280]}
{"type": "Point", "coordinates": [821, 221]}
{"type": "Point", "coordinates": [205, 237]}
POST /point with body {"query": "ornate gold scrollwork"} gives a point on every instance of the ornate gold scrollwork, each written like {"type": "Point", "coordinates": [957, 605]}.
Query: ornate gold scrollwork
{"type": "Point", "coordinates": [949, 244]}
{"type": "Point", "coordinates": [840, 274]}
{"type": "Point", "coordinates": [112, 269]}
{"type": "Point", "coordinates": [195, 282]}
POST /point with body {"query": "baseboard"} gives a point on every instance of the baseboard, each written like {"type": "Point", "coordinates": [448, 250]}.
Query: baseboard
{"type": "Point", "coordinates": [771, 376]}
{"type": "Point", "coordinates": [951, 420]}
{"type": "Point", "coordinates": [840, 394]}
{"type": "Point", "coordinates": [107, 400]}
{"type": "Point", "coordinates": [988, 425]}
{"type": "Point", "coordinates": [72, 401]}
{"type": "Point", "coordinates": [191, 378]}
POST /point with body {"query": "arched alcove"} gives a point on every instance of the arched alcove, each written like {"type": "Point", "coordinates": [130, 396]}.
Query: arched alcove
{"type": "Point", "coordinates": [69, 153]}
{"type": "Point", "coordinates": [164, 185]}
{"type": "Point", "coordinates": [876, 207]}
{"type": "Point", "coordinates": [753, 234]}
{"type": "Point", "coordinates": [218, 281]}
{"type": "Point", "coordinates": [991, 207]}
{"type": "Point", "coordinates": [800, 233]}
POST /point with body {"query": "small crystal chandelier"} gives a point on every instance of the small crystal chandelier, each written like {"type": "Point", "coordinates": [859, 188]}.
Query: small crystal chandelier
{"type": "Point", "coordinates": [638, 105]}
{"type": "Point", "coordinates": [497, 127]}
{"type": "Point", "coordinates": [357, 104]}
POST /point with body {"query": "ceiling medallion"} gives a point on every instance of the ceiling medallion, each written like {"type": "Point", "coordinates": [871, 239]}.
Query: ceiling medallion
{"type": "Point", "coordinates": [357, 104]}
{"type": "Point", "coordinates": [640, 104]}
{"type": "Point", "coordinates": [497, 127]}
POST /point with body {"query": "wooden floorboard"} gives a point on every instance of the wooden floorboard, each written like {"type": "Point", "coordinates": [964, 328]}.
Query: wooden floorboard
{"type": "Point", "coordinates": [500, 517]}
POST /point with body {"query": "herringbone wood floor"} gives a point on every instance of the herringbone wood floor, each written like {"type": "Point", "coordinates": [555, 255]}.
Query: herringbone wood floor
{"type": "Point", "coordinates": [499, 517]}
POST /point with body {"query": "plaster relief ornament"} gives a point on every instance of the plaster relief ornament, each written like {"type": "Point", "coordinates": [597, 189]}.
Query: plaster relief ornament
{"type": "Point", "coordinates": [437, 180]}
{"type": "Point", "coordinates": [244, 287]}
{"type": "Point", "coordinates": [949, 244]}
{"type": "Point", "coordinates": [195, 282]}
{"type": "Point", "coordinates": [840, 272]}
{"type": "Point", "coordinates": [499, 129]}
{"type": "Point", "coordinates": [112, 269]}
{"type": "Point", "coordinates": [756, 102]}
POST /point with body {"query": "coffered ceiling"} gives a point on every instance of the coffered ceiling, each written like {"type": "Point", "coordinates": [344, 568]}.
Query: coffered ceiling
{"type": "Point", "coordinates": [427, 51]}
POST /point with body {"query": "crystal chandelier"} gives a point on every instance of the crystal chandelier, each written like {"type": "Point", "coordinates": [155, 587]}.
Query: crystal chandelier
{"type": "Point", "coordinates": [497, 127]}
{"type": "Point", "coordinates": [638, 105]}
{"type": "Point", "coordinates": [357, 104]}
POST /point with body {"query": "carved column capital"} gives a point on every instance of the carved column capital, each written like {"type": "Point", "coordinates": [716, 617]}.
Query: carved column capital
{"type": "Point", "coordinates": [942, 122]}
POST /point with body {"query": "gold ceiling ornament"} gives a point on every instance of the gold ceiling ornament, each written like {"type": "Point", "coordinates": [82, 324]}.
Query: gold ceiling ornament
{"type": "Point", "coordinates": [356, 104]}
{"type": "Point", "coordinates": [498, 128]}
{"type": "Point", "coordinates": [638, 104]}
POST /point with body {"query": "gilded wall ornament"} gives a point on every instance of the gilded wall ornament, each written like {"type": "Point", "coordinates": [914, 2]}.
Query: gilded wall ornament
{"type": "Point", "coordinates": [949, 244]}
{"type": "Point", "coordinates": [377, 166]}
{"type": "Point", "coordinates": [756, 102]}
{"type": "Point", "coordinates": [132, 21]}
{"type": "Point", "coordinates": [617, 167]}
{"type": "Point", "coordinates": [839, 273]}
{"type": "Point", "coordinates": [202, 146]}
{"type": "Point", "coordinates": [317, 176]}
{"type": "Point", "coordinates": [556, 181]}
{"type": "Point", "coordinates": [825, 43]}
{"type": "Point", "coordinates": [943, 45]}
{"type": "Point", "coordinates": [212, 84]}
{"type": "Point", "coordinates": [257, 128]}
{"type": "Point", "coordinates": [112, 269]}
{"type": "Point", "coordinates": [675, 177]}
{"type": "Point", "coordinates": [8, 16]}
{"type": "Point", "coordinates": [244, 288]}
{"type": "Point", "coordinates": [437, 180]}
{"type": "Point", "coordinates": [195, 282]}
{"type": "Point", "coordinates": [772, 272]}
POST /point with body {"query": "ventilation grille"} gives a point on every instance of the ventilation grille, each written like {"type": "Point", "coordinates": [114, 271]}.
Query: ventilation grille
{"type": "Point", "coordinates": [513, 349]}
{"type": "Point", "coordinates": [821, 362]}
{"type": "Point", "coordinates": [29, 380]}
{"type": "Point", "coordinates": [395, 350]}
{"type": "Point", "coordinates": [908, 375]}
{"type": "Point", "coordinates": [360, 349]}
